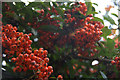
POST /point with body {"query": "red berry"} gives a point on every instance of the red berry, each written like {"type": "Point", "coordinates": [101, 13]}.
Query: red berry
{"type": "Point", "coordinates": [112, 62]}
{"type": "Point", "coordinates": [60, 77]}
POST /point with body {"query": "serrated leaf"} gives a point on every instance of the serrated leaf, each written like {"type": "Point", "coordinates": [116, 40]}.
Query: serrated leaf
{"type": "Point", "coordinates": [97, 19]}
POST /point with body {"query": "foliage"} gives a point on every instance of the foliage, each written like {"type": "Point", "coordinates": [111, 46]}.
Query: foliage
{"type": "Point", "coordinates": [70, 33]}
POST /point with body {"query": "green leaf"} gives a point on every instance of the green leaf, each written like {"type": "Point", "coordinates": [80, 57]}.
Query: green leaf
{"type": "Point", "coordinates": [106, 48]}
{"type": "Point", "coordinates": [28, 14]}
{"type": "Point", "coordinates": [54, 3]}
{"type": "Point", "coordinates": [109, 19]}
{"type": "Point", "coordinates": [97, 19]}
{"type": "Point", "coordinates": [34, 4]}
{"type": "Point", "coordinates": [106, 32]}
{"type": "Point", "coordinates": [50, 28]}
{"type": "Point", "coordinates": [110, 44]}
{"type": "Point", "coordinates": [114, 14]}
{"type": "Point", "coordinates": [93, 11]}
{"type": "Point", "coordinates": [95, 4]}
{"type": "Point", "coordinates": [89, 7]}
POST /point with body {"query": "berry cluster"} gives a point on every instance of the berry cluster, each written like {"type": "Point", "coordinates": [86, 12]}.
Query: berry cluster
{"type": "Point", "coordinates": [77, 8]}
{"type": "Point", "coordinates": [17, 47]}
{"type": "Point", "coordinates": [82, 8]}
{"type": "Point", "coordinates": [84, 32]}
{"type": "Point", "coordinates": [44, 19]}
{"type": "Point", "coordinates": [15, 42]}
{"type": "Point", "coordinates": [86, 37]}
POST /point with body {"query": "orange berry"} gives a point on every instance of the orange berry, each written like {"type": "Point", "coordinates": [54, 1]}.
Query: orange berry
{"type": "Point", "coordinates": [60, 77]}
{"type": "Point", "coordinates": [46, 60]}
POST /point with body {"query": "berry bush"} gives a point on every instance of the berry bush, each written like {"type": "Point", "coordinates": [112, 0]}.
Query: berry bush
{"type": "Point", "coordinates": [70, 34]}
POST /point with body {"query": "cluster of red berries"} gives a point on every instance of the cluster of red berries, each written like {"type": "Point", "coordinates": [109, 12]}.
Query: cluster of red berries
{"type": "Point", "coordinates": [15, 42]}
{"type": "Point", "coordinates": [76, 8]}
{"type": "Point", "coordinates": [17, 47]}
{"type": "Point", "coordinates": [44, 19]}
{"type": "Point", "coordinates": [117, 62]}
{"type": "Point", "coordinates": [82, 8]}
{"type": "Point", "coordinates": [85, 31]}
{"type": "Point", "coordinates": [69, 20]}
{"type": "Point", "coordinates": [86, 37]}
